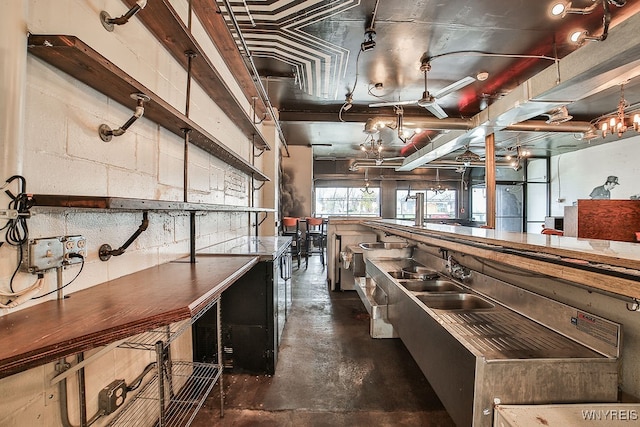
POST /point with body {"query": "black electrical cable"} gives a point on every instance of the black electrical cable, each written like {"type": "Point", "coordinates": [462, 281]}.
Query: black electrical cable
{"type": "Point", "coordinates": [136, 382]}
{"type": "Point", "coordinates": [17, 233]}
{"type": "Point", "coordinates": [76, 276]}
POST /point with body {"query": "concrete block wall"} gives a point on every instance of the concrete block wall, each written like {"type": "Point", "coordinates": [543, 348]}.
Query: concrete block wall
{"type": "Point", "coordinates": [63, 155]}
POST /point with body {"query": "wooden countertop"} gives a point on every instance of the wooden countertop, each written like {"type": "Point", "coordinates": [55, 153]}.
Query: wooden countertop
{"type": "Point", "coordinates": [611, 266]}
{"type": "Point", "coordinates": [115, 310]}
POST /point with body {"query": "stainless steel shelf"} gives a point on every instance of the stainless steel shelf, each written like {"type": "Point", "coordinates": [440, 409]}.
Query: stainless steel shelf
{"type": "Point", "coordinates": [194, 382]}
{"type": "Point", "coordinates": [176, 392]}
{"type": "Point", "coordinates": [148, 340]}
{"type": "Point", "coordinates": [166, 334]}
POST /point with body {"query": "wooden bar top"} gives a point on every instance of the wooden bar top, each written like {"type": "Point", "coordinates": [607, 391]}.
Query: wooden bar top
{"type": "Point", "coordinates": [115, 310]}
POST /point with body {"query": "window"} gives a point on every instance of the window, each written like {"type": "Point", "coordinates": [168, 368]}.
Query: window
{"type": "Point", "coordinates": [347, 201]}
{"type": "Point", "coordinates": [438, 205]}
{"type": "Point", "coordinates": [479, 204]}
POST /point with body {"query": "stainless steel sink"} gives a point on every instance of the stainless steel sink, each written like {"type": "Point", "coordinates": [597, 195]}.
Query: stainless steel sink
{"type": "Point", "coordinates": [420, 272]}
{"type": "Point", "coordinates": [383, 245]}
{"type": "Point", "coordinates": [436, 285]}
{"type": "Point", "coordinates": [457, 301]}
{"type": "Point", "coordinates": [410, 269]}
{"type": "Point", "coordinates": [404, 274]}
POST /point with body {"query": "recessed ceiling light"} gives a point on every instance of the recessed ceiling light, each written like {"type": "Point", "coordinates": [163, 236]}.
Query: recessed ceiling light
{"type": "Point", "coordinates": [576, 36]}
{"type": "Point", "coordinates": [482, 76]}
{"type": "Point", "coordinates": [558, 9]}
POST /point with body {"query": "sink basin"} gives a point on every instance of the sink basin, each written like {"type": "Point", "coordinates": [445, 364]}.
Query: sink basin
{"type": "Point", "coordinates": [404, 274]}
{"type": "Point", "coordinates": [383, 245]}
{"type": "Point", "coordinates": [437, 285]}
{"type": "Point", "coordinates": [454, 301]}
{"type": "Point", "coordinates": [414, 271]}
{"type": "Point", "coordinates": [420, 272]}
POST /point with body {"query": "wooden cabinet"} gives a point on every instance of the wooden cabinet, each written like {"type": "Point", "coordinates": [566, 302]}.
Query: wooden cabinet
{"type": "Point", "coordinates": [617, 220]}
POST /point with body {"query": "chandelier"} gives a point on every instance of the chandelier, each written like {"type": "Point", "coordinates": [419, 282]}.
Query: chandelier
{"type": "Point", "coordinates": [468, 157]}
{"type": "Point", "coordinates": [619, 122]}
{"type": "Point", "coordinates": [366, 188]}
{"type": "Point", "coordinates": [372, 148]}
{"type": "Point", "coordinates": [404, 135]}
{"type": "Point", "coordinates": [517, 160]}
{"type": "Point", "coordinates": [438, 188]}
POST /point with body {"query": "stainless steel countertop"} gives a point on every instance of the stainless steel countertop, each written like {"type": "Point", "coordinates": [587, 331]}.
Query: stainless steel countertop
{"type": "Point", "coordinates": [498, 332]}
{"type": "Point", "coordinates": [266, 247]}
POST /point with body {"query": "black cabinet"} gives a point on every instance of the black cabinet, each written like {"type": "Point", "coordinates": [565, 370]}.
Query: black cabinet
{"type": "Point", "coordinates": [254, 312]}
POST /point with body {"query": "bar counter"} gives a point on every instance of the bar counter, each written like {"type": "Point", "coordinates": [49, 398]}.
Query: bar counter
{"type": "Point", "coordinates": [610, 266]}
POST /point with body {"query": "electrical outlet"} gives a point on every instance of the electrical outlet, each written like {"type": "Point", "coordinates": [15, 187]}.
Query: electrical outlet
{"type": "Point", "coordinates": [43, 254]}
{"type": "Point", "coordinates": [112, 396]}
{"type": "Point", "coordinates": [74, 245]}
{"type": "Point", "coordinates": [53, 252]}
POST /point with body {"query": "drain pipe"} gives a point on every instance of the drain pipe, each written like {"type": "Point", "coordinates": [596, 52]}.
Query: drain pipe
{"type": "Point", "coordinates": [263, 93]}
{"type": "Point", "coordinates": [13, 83]}
{"type": "Point", "coordinates": [62, 366]}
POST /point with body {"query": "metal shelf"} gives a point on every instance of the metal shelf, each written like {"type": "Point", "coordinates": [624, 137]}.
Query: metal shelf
{"type": "Point", "coordinates": [166, 334]}
{"type": "Point", "coordinates": [158, 403]}
{"type": "Point", "coordinates": [43, 201]}
{"type": "Point", "coordinates": [196, 381]}
{"type": "Point", "coordinates": [148, 340]}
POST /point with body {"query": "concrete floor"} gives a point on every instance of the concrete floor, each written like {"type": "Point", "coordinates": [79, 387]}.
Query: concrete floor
{"type": "Point", "coordinates": [330, 372]}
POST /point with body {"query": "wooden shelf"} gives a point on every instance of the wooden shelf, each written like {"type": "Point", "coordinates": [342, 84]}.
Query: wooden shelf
{"type": "Point", "coordinates": [112, 311]}
{"type": "Point", "coordinates": [121, 203]}
{"type": "Point", "coordinates": [71, 55]}
{"type": "Point", "coordinates": [163, 21]}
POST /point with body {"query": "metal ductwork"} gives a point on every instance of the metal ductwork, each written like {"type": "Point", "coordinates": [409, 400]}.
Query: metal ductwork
{"type": "Point", "coordinates": [584, 72]}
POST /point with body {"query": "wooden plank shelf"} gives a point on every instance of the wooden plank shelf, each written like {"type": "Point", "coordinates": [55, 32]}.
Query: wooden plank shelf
{"type": "Point", "coordinates": [115, 310]}
{"type": "Point", "coordinates": [165, 24]}
{"type": "Point", "coordinates": [74, 57]}
{"type": "Point", "coordinates": [128, 204]}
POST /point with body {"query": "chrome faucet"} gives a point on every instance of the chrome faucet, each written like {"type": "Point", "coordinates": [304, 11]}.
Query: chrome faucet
{"type": "Point", "coordinates": [457, 270]}
{"type": "Point", "coordinates": [419, 218]}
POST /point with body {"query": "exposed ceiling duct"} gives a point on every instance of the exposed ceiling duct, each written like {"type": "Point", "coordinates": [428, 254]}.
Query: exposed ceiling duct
{"type": "Point", "coordinates": [589, 70]}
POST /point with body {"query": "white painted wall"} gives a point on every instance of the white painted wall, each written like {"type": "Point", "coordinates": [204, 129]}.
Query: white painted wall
{"type": "Point", "coordinates": [574, 175]}
{"type": "Point", "coordinates": [63, 155]}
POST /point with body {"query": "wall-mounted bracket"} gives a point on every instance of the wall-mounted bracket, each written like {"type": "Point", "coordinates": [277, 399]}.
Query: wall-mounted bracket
{"type": "Point", "coordinates": [106, 133]}
{"type": "Point", "coordinates": [258, 188]}
{"type": "Point", "coordinates": [633, 306]}
{"type": "Point", "coordinates": [108, 22]}
{"type": "Point", "coordinates": [259, 153]}
{"type": "Point", "coordinates": [105, 252]}
{"type": "Point", "coordinates": [259, 222]}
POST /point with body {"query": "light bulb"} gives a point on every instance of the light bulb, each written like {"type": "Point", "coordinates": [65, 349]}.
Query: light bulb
{"type": "Point", "coordinates": [558, 9]}
{"type": "Point", "coordinates": [576, 36]}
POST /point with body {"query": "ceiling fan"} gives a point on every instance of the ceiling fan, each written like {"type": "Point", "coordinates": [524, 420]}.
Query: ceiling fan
{"type": "Point", "coordinates": [428, 100]}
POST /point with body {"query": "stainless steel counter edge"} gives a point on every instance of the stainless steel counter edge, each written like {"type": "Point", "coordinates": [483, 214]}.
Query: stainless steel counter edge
{"type": "Point", "coordinates": [611, 267]}
{"type": "Point", "coordinates": [267, 248]}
